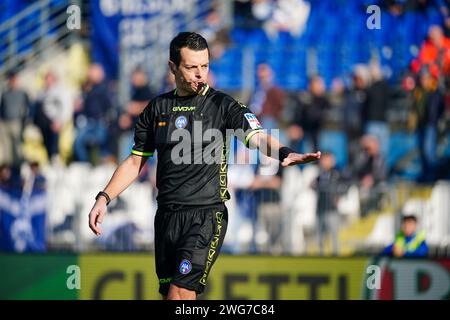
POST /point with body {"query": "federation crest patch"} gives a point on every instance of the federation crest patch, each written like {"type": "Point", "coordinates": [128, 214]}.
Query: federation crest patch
{"type": "Point", "coordinates": [181, 122]}
{"type": "Point", "coordinates": [185, 266]}
{"type": "Point", "coordinates": [252, 120]}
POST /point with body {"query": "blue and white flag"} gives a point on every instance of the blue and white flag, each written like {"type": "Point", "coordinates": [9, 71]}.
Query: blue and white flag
{"type": "Point", "coordinates": [22, 220]}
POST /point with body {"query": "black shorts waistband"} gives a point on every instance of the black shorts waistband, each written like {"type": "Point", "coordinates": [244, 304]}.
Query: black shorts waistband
{"type": "Point", "coordinates": [175, 208]}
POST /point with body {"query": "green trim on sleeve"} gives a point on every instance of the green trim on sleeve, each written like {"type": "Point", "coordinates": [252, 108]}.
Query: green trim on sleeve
{"type": "Point", "coordinates": [142, 154]}
{"type": "Point", "coordinates": [251, 134]}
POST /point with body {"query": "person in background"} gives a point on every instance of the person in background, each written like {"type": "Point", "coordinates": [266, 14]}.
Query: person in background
{"type": "Point", "coordinates": [326, 186]}
{"type": "Point", "coordinates": [54, 111]}
{"type": "Point", "coordinates": [141, 94]}
{"type": "Point", "coordinates": [355, 101]}
{"type": "Point", "coordinates": [434, 55]}
{"type": "Point", "coordinates": [370, 170]}
{"type": "Point", "coordinates": [429, 105]}
{"type": "Point", "coordinates": [377, 103]}
{"type": "Point", "coordinates": [309, 116]}
{"type": "Point", "coordinates": [408, 242]}
{"type": "Point", "coordinates": [268, 100]}
{"type": "Point", "coordinates": [14, 109]}
{"type": "Point", "coordinates": [93, 119]}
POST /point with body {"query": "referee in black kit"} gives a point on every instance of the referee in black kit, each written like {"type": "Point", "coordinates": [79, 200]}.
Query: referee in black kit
{"type": "Point", "coordinates": [191, 219]}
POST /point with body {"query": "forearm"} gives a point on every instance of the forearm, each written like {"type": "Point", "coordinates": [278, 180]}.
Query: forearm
{"type": "Point", "coordinates": [271, 147]}
{"type": "Point", "coordinates": [266, 144]}
{"type": "Point", "coordinates": [124, 175]}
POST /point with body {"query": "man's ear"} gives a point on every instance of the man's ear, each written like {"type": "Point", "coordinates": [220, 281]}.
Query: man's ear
{"type": "Point", "coordinates": [172, 67]}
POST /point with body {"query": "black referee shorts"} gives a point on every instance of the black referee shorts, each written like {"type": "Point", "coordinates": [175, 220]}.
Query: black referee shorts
{"type": "Point", "coordinates": [187, 244]}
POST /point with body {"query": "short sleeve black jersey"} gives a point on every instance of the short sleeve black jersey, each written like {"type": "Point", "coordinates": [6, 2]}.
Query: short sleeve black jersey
{"type": "Point", "coordinates": [190, 136]}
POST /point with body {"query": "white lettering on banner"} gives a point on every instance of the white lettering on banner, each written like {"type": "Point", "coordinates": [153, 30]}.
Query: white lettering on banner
{"type": "Point", "coordinates": [139, 32]}
{"type": "Point", "coordinates": [110, 8]}
{"type": "Point", "coordinates": [405, 284]}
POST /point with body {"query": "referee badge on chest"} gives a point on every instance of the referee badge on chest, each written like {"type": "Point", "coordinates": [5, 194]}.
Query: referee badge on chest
{"type": "Point", "coordinates": [181, 122]}
{"type": "Point", "coordinates": [185, 266]}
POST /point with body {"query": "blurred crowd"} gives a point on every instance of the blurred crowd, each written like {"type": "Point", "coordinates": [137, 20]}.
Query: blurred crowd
{"type": "Point", "coordinates": [367, 113]}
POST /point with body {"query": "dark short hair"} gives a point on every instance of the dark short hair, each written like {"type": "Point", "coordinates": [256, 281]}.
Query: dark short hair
{"type": "Point", "coordinates": [190, 40]}
{"type": "Point", "coordinates": [409, 217]}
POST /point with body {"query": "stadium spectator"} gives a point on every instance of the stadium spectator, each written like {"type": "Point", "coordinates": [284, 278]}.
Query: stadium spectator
{"type": "Point", "coordinates": [408, 242]}
{"type": "Point", "coordinates": [406, 100]}
{"type": "Point", "coordinates": [92, 121]}
{"type": "Point", "coordinates": [428, 107]}
{"type": "Point", "coordinates": [140, 96]}
{"type": "Point", "coordinates": [309, 114]}
{"type": "Point", "coordinates": [434, 55]}
{"type": "Point", "coordinates": [326, 186]}
{"type": "Point", "coordinates": [338, 98]}
{"type": "Point", "coordinates": [14, 109]}
{"type": "Point", "coordinates": [268, 100]}
{"type": "Point", "coordinates": [375, 108]}
{"type": "Point", "coordinates": [370, 170]}
{"type": "Point", "coordinates": [54, 112]}
{"type": "Point", "coordinates": [355, 100]}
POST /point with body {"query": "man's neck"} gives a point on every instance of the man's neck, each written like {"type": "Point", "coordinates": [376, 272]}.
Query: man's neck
{"type": "Point", "coordinates": [183, 93]}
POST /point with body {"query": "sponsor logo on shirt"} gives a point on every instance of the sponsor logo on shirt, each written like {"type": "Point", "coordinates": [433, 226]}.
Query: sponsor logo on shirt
{"type": "Point", "coordinates": [253, 121]}
{"type": "Point", "coordinates": [183, 108]}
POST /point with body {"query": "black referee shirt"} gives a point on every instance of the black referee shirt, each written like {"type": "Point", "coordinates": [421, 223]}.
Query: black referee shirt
{"type": "Point", "coordinates": [191, 135]}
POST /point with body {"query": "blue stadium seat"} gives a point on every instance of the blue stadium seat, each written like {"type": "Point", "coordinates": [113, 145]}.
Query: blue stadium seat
{"type": "Point", "coordinates": [403, 159]}
{"type": "Point", "coordinates": [335, 142]}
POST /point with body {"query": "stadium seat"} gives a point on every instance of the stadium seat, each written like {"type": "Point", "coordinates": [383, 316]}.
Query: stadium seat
{"type": "Point", "coordinates": [336, 143]}
{"type": "Point", "coordinates": [403, 159]}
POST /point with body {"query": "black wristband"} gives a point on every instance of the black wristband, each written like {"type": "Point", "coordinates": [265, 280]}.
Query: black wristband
{"type": "Point", "coordinates": [284, 152]}
{"type": "Point", "coordinates": [104, 194]}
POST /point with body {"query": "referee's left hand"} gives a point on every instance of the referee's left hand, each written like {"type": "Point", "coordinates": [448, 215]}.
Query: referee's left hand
{"type": "Point", "coordinates": [299, 158]}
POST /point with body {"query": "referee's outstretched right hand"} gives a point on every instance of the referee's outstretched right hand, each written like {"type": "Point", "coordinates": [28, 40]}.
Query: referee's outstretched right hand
{"type": "Point", "coordinates": [96, 215]}
{"type": "Point", "coordinates": [300, 158]}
